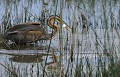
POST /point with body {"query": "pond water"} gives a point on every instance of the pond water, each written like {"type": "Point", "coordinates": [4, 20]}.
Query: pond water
{"type": "Point", "coordinates": [88, 50]}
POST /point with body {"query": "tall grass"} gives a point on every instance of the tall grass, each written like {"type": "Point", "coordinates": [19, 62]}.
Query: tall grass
{"type": "Point", "coordinates": [90, 50]}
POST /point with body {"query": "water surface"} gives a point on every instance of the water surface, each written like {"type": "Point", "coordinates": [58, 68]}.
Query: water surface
{"type": "Point", "coordinates": [92, 44]}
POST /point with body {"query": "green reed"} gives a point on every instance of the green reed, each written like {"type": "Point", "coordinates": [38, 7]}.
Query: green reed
{"type": "Point", "coordinates": [107, 63]}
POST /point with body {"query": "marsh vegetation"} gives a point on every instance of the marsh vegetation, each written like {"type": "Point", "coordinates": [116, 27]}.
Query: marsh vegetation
{"type": "Point", "coordinates": [90, 50]}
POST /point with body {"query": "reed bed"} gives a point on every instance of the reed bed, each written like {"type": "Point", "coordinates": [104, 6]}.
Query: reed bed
{"type": "Point", "coordinates": [90, 50]}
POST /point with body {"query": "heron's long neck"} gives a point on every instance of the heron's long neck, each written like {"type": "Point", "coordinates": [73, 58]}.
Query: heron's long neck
{"type": "Point", "coordinates": [52, 25]}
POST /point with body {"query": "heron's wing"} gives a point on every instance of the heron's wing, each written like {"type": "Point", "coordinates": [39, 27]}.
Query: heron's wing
{"type": "Point", "coordinates": [33, 35]}
{"type": "Point", "coordinates": [33, 23]}
{"type": "Point", "coordinates": [35, 32]}
{"type": "Point", "coordinates": [31, 28]}
{"type": "Point", "coordinates": [26, 26]}
{"type": "Point", "coordinates": [13, 32]}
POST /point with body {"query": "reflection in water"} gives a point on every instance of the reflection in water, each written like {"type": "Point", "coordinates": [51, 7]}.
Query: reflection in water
{"type": "Point", "coordinates": [28, 51]}
{"type": "Point", "coordinates": [34, 63]}
{"type": "Point", "coordinates": [98, 38]}
{"type": "Point", "coordinates": [52, 63]}
{"type": "Point", "coordinates": [27, 58]}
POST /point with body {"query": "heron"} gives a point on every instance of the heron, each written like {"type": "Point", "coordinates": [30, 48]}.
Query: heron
{"type": "Point", "coordinates": [32, 31]}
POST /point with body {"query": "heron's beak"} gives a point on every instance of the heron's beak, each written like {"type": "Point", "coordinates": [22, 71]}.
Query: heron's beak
{"type": "Point", "coordinates": [64, 25]}
{"type": "Point", "coordinates": [67, 27]}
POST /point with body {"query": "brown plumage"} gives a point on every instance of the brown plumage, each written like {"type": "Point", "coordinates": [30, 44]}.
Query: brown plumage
{"type": "Point", "coordinates": [33, 31]}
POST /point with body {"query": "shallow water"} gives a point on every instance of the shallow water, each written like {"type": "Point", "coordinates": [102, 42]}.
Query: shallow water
{"type": "Point", "coordinates": [30, 58]}
{"type": "Point", "coordinates": [89, 46]}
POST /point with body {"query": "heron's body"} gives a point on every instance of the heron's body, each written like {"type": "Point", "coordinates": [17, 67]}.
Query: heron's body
{"type": "Point", "coordinates": [31, 32]}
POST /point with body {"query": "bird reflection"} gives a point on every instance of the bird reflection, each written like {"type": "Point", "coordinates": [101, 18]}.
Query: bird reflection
{"type": "Point", "coordinates": [26, 58]}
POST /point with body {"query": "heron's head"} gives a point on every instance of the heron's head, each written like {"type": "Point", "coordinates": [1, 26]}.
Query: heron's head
{"type": "Point", "coordinates": [64, 25]}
